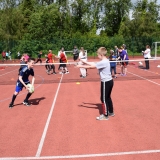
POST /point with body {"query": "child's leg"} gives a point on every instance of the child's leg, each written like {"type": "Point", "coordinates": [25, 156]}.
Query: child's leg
{"type": "Point", "coordinates": [14, 97]}
{"type": "Point", "coordinates": [27, 97]}
{"type": "Point", "coordinates": [66, 69]}
{"type": "Point", "coordinates": [125, 69]}
{"type": "Point", "coordinates": [115, 70]}
{"type": "Point", "coordinates": [104, 106]}
{"type": "Point", "coordinates": [106, 89]}
{"type": "Point", "coordinates": [53, 67]}
{"type": "Point", "coordinates": [83, 72]}
{"type": "Point", "coordinates": [122, 69]}
{"type": "Point", "coordinates": [46, 67]}
{"type": "Point", "coordinates": [17, 90]}
{"type": "Point", "coordinates": [63, 70]}
{"type": "Point", "coordinates": [109, 86]}
{"type": "Point", "coordinates": [111, 71]}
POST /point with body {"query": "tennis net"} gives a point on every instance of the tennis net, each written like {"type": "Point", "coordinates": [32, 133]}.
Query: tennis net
{"type": "Point", "coordinates": [135, 71]}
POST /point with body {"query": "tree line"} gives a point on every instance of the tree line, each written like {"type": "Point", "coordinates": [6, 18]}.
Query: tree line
{"type": "Point", "coordinates": [34, 25]}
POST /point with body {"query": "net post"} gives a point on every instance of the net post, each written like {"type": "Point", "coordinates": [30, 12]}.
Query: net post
{"type": "Point", "coordinates": [155, 49]}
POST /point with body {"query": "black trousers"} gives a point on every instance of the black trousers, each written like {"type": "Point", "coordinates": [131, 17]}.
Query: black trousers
{"type": "Point", "coordinates": [39, 59]}
{"type": "Point", "coordinates": [106, 89]}
{"type": "Point", "coordinates": [147, 63]}
{"type": "Point", "coordinates": [75, 57]}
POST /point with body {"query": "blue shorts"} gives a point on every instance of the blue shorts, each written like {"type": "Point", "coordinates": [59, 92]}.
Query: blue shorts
{"type": "Point", "coordinates": [19, 86]}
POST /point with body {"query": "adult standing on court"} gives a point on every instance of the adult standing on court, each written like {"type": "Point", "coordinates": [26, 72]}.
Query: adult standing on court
{"type": "Point", "coordinates": [106, 82]}
{"type": "Point", "coordinates": [82, 56]}
{"type": "Point", "coordinates": [147, 55]}
{"type": "Point", "coordinates": [75, 53]}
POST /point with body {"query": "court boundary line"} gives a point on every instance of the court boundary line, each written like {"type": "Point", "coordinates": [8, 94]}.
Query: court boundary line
{"type": "Point", "coordinates": [147, 70]}
{"type": "Point", "coordinates": [143, 77]}
{"type": "Point", "coordinates": [8, 72]}
{"type": "Point", "coordinates": [40, 146]}
{"type": "Point", "coordinates": [83, 155]}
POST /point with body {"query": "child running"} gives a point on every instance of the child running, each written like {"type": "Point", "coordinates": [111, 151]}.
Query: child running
{"type": "Point", "coordinates": [39, 57]}
{"type": "Point", "coordinates": [106, 82]}
{"type": "Point", "coordinates": [23, 81]}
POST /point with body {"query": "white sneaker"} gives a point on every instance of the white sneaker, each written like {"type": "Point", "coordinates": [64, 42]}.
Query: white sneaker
{"type": "Point", "coordinates": [102, 117]}
{"type": "Point", "coordinates": [67, 72]}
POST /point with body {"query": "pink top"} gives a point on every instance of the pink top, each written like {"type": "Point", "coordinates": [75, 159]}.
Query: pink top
{"type": "Point", "coordinates": [26, 57]}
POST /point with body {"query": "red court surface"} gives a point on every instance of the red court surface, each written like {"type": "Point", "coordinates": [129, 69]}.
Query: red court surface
{"type": "Point", "coordinates": [61, 123]}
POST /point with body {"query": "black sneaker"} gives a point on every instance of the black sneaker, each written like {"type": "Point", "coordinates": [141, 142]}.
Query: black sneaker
{"type": "Point", "coordinates": [10, 105]}
{"type": "Point", "coordinates": [26, 103]}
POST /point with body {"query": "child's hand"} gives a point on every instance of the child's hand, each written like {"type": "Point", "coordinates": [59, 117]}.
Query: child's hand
{"type": "Point", "coordinates": [78, 66]}
{"type": "Point", "coordinates": [27, 88]}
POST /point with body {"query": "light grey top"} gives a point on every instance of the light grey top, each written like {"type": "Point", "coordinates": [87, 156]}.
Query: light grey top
{"type": "Point", "coordinates": [104, 70]}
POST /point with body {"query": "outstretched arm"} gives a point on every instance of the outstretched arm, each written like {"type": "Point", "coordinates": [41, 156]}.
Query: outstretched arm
{"type": "Point", "coordinates": [89, 65]}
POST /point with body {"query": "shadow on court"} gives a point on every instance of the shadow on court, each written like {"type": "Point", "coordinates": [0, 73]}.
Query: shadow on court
{"type": "Point", "coordinates": [95, 106]}
{"type": "Point", "coordinates": [35, 101]}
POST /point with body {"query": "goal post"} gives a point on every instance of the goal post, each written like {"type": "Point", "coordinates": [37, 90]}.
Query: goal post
{"type": "Point", "coordinates": [70, 53]}
{"type": "Point", "coordinates": [156, 48]}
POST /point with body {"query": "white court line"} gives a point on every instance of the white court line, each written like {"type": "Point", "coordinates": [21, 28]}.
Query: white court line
{"type": "Point", "coordinates": [148, 71]}
{"type": "Point", "coordinates": [144, 78]}
{"type": "Point", "coordinates": [83, 155]}
{"type": "Point", "coordinates": [8, 72]}
{"type": "Point", "coordinates": [48, 121]}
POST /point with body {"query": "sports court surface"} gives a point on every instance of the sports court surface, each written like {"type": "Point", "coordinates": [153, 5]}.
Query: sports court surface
{"type": "Point", "coordinates": [61, 123]}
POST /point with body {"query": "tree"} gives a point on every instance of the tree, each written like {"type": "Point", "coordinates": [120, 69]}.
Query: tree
{"type": "Point", "coordinates": [114, 11]}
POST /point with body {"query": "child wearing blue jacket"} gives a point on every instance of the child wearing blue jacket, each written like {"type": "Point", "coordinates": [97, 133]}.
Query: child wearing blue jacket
{"type": "Point", "coordinates": [113, 57]}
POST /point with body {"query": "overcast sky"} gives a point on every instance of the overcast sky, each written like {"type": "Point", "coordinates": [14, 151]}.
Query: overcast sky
{"type": "Point", "coordinates": [133, 1]}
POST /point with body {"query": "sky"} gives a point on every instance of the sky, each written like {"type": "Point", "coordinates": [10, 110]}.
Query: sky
{"type": "Point", "coordinates": [133, 1]}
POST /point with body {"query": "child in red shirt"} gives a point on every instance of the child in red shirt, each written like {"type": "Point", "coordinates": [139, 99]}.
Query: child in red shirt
{"type": "Point", "coordinates": [63, 59]}
{"type": "Point", "coordinates": [50, 60]}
